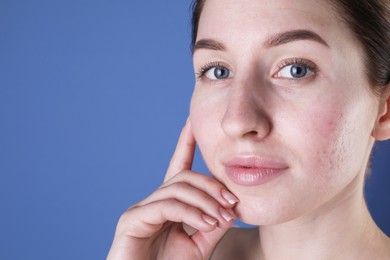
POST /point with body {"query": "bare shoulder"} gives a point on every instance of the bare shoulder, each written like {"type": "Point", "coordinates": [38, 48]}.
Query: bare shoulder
{"type": "Point", "coordinates": [237, 243]}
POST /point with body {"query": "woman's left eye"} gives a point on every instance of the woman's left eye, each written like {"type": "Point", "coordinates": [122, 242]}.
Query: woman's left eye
{"type": "Point", "coordinates": [295, 71]}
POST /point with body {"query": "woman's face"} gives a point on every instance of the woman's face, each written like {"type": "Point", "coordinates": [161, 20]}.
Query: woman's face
{"type": "Point", "coordinates": [282, 110]}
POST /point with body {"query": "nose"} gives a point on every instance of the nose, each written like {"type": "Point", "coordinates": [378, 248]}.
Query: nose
{"type": "Point", "coordinates": [246, 113]}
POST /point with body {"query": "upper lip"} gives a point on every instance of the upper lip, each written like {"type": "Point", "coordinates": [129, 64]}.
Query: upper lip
{"type": "Point", "coordinates": [260, 162]}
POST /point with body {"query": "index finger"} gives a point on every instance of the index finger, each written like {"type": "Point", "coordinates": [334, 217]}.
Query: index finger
{"type": "Point", "coordinates": [183, 156]}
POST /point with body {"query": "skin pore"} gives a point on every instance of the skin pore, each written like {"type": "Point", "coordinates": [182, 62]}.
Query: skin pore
{"type": "Point", "coordinates": [318, 124]}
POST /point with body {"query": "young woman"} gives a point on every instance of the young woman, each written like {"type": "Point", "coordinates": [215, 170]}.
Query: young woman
{"type": "Point", "coordinates": [290, 97]}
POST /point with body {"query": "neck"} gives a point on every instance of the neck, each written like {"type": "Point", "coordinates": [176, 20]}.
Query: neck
{"type": "Point", "coordinates": [341, 229]}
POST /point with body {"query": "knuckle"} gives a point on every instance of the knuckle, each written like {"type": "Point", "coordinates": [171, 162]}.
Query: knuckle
{"type": "Point", "coordinates": [124, 220]}
{"type": "Point", "coordinates": [209, 182]}
{"type": "Point", "coordinates": [189, 210]}
{"type": "Point", "coordinates": [128, 214]}
{"type": "Point", "coordinates": [182, 186]}
{"type": "Point", "coordinates": [176, 188]}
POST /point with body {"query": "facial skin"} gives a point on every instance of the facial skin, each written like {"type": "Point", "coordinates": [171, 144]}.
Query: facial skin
{"type": "Point", "coordinates": [318, 126]}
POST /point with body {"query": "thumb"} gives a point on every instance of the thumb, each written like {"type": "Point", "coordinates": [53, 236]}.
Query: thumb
{"type": "Point", "coordinates": [206, 242]}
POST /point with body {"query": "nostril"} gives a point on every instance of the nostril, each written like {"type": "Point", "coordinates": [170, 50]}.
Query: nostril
{"type": "Point", "coordinates": [251, 133]}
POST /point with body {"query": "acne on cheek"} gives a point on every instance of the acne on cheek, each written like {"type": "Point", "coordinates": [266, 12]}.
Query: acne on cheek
{"type": "Point", "coordinates": [342, 155]}
{"type": "Point", "coordinates": [328, 135]}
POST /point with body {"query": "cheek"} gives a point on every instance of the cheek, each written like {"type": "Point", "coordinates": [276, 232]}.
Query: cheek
{"type": "Point", "coordinates": [330, 145]}
{"type": "Point", "coordinates": [332, 155]}
{"type": "Point", "coordinates": [205, 122]}
{"type": "Point", "coordinates": [330, 136]}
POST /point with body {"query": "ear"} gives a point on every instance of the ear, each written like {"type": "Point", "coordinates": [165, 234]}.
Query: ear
{"type": "Point", "coordinates": [381, 130]}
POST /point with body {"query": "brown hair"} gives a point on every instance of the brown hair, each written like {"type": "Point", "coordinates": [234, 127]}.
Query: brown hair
{"type": "Point", "coordinates": [197, 7]}
{"type": "Point", "coordinates": [370, 22]}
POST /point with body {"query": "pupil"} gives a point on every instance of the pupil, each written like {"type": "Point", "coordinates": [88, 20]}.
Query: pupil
{"type": "Point", "coordinates": [221, 73]}
{"type": "Point", "coordinates": [298, 71]}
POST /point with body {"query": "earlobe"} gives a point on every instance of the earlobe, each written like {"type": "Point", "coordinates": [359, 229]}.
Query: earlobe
{"type": "Point", "coordinates": [381, 130]}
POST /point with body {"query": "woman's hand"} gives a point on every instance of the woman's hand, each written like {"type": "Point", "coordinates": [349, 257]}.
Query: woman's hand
{"type": "Point", "coordinates": [153, 228]}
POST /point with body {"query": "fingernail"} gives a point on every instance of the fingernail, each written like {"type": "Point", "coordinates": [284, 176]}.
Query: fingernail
{"type": "Point", "coordinates": [229, 197]}
{"type": "Point", "coordinates": [226, 215]}
{"type": "Point", "coordinates": [209, 220]}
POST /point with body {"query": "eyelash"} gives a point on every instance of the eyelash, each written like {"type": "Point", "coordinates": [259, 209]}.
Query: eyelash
{"type": "Point", "coordinates": [205, 68]}
{"type": "Point", "coordinates": [297, 61]}
{"type": "Point", "coordinates": [287, 62]}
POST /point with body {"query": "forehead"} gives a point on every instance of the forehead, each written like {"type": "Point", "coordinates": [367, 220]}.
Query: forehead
{"type": "Point", "coordinates": [257, 18]}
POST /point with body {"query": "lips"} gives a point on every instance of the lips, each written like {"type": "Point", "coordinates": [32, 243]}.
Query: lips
{"type": "Point", "coordinates": [253, 171]}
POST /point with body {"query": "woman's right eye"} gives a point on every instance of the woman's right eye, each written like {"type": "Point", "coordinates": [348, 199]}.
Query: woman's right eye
{"type": "Point", "coordinates": [218, 73]}
{"type": "Point", "coordinates": [215, 72]}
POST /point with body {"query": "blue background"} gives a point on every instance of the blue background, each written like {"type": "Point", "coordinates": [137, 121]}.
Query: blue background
{"type": "Point", "coordinates": [93, 95]}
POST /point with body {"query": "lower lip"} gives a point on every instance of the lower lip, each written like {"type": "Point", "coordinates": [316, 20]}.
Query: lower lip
{"type": "Point", "coordinates": [252, 176]}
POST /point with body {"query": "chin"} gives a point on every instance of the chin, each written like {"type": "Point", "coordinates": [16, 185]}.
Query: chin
{"type": "Point", "coordinates": [264, 213]}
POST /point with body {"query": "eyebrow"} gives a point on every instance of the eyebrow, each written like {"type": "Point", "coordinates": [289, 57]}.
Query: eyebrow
{"type": "Point", "coordinates": [273, 41]}
{"type": "Point", "coordinates": [294, 35]}
{"type": "Point", "coordinates": [208, 44]}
